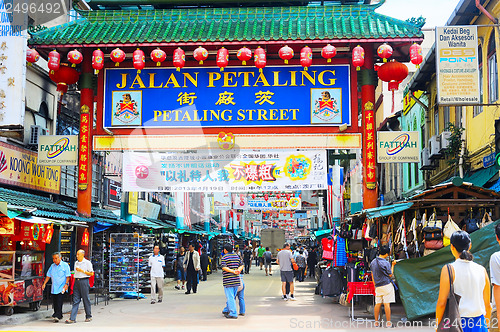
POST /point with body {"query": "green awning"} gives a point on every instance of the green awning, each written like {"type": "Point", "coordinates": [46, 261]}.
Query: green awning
{"type": "Point", "coordinates": [386, 210]}
{"type": "Point", "coordinates": [481, 177]}
{"type": "Point", "coordinates": [322, 233]}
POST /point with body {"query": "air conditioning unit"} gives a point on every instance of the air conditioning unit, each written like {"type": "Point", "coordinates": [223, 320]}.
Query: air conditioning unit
{"type": "Point", "coordinates": [434, 147]}
{"type": "Point", "coordinates": [35, 132]}
{"type": "Point", "coordinates": [426, 161]}
{"type": "Point", "coordinates": [445, 140]}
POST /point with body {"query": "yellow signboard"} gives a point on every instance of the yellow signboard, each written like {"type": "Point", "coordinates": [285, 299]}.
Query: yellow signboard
{"type": "Point", "coordinates": [409, 102]}
{"type": "Point", "coordinates": [133, 202]}
{"type": "Point", "coordinates": [19, 167]}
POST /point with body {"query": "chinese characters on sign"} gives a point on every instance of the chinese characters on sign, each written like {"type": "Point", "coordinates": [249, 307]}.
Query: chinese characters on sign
{"type": "Point", "coordinates": [226, 171]}
{"type": "Point", "coordinates": [84, 154]}
{"type": "Point", "coordinates": [371, 168]}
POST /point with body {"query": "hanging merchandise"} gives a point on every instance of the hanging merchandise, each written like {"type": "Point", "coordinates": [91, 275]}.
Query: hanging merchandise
{"type": "Point", "coordinates": [97, 61]}
{"type": "Point", "coordinates": [158, 56]}
{"type": "Point", "coordinates": [384, 51]}
{"type": "Point", "coordinates": [328, 52]}
{"type": "Point", "coordinates": [394, 73]}
{"type": "Point", "coordinates": [117, 56]}
{"type": "Point", "coordinates": [139, 60]}
{"type": "Point", "coordinates": [327, 244]}
{"type": "Point", "coordinates": [306, 56]}
{"type": "Point", "coordinates": [64, 77]}
{"type": "Point", "coordinates": [260, 58]}
{"type": "Point", "coordinates": [244, 54]}
{"type": "Point", "coordinates": [54, 61]}
{"type": "Point", "coordinates": [222, 58]}
{"type": "Point", "coordinates": [358, 57]}
{"type": "Point", "coordinates": [47, 237]}
{"type": "Point", "coordinates": [85, 238]}
{"type": "Point", "coordinates": [75, 57]}
{"type": "Point", "coordinates": [200, 54]}
{"type": "Point", "coordinates": [32, 55]}
{"type": "Point", "coordinates": [286, 53]}
{"type": "Point", "coordinates": [416, 56]}
{"type": "Point", "coordinates": [179, 59]}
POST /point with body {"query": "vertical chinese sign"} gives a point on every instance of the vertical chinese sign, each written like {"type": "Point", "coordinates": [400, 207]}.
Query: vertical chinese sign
{"type": "Point", "coordinates": [370, 166]}
{"type": "Point", "coordinates": [83, 156]}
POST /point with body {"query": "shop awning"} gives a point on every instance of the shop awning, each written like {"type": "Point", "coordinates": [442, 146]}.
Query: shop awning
{"type": "Point", "coordinates": [481, 177]}
{"type": "Point", "coordinates": [322, 233]}
{"type": "Point", "coordinates": [385, 211]}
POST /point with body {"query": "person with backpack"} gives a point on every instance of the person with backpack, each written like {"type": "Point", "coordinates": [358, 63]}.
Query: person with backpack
{"type": "Point", "coordinates": [382, 279]}
{"type": "Point", "coordinates": [268, 259]}
{"type": "Point", "coordinates": [470, 282]}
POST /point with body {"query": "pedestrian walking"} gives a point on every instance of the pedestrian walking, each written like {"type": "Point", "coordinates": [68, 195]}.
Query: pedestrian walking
{"type": "Point", "coordinates": [232, 266]}
{"type": "Point", "coordinates": [179, 266]}
{"type": "Point", "coordinates": [470, 282]}
{"type": "Point", "coordinates": [382, 279]}
{"type": "Point", "coordinates": [240, 295]}
{"type": "Point", "coordinates": [256, 256]}
{"type": "Point", "coordinates": [191, 266]}
{"type": "Point", "coordinates": [81, 288]}
{"type": "Point", "coordinates": [312, 260]}
{"type": "Point", "coordinates": [268, 259]}
{"type": "Point", "coordinates": [260, 253]}
{"type": "Point", "coordinates": [301, 262]}
{"type": "Point", "coordinates": [285, 261]}
{"type": "Point", "coordinates": [495, 281]}
{"type": "Point", "coordinates": [59, 273]}
{"type": "Point", "coordinates": [247, 259]}
{"type": "Point", "coordinates": [157, 263]}
{"type": "Point", "coordinates": [204, 264]}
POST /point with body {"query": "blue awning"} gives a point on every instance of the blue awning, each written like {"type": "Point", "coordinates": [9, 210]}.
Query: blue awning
{"type": "Point", "coordinates": [386, 210]}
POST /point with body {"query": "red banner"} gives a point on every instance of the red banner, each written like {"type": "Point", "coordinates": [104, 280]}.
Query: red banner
{"type": "Point", "coordinates": [83, 156]}
{"type": "Point", "coordinates": [371, 170]}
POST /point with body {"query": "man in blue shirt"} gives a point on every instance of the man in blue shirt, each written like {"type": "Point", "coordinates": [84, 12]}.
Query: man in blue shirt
{"type": "Point", "coordinates": [59, 273]}
{"type": "Point", "coordinates": [382, 279]}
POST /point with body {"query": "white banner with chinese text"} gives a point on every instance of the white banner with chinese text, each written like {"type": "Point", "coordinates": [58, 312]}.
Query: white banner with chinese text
{"type": "Point", "coordinates": [225, 171]}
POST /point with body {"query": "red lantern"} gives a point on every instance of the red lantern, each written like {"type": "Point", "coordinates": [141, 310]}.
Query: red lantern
{"type": "Point", "coordinates": [260, 58]}
{"type": "Point", "coordinates": [328, 52]}
{"type": "Point", "coordinates": [97, 61]}
{"type": "Point", "coordinates": [32, 56]}
{"type": "Point", "coordinates": [54, 61]}
{"type": "Point", "coordinates": [75, 57]}
{"type": "Point", "coordinates": [416, 54]}
{"type": "Point", "coordinates": [139, 60]}
{"type": "Point", "coordinates": [358, 57]}
{"type": "Point", "coordinates": [306, 57]}
{"type": "Point", "coordinates": [286, 53]}
{"type": "Point", "coordinates": [253, 196]}
{"type": "Point", "coordinates": [278, 196]}
{"type": "Point", "coordinates": [394, 73]}
{"type": "Point", "coordinates": [288, 196]}
{"type": "Point", "coordinates": [179, 58]}
{"type": "Point", "coordinates": [266, 197]}
{"type": "Point", "coordinates": [244, 54]}
{"type": "Point", "coordinates": [200, 54]}
{"type": "Point", "coordinates": [384, 51]}
{"type": "Point", "coordinates": [222, 58]}
{"type": "Point", "coordinates": [117, 56]}
{"type": "Point", "coordinates": [158, 56]}
{"type": "Point", "coordinates": [64, 77]}
{"type": "Point", "coordinates": [85, 238]}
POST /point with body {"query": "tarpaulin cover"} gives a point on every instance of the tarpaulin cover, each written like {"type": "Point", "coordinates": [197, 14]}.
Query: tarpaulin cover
{"type": "Point", "coordinates": [418, 278]}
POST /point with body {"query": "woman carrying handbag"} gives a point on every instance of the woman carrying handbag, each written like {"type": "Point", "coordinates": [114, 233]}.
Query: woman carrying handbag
{"type": "Point", "coordinates": [471, 287]}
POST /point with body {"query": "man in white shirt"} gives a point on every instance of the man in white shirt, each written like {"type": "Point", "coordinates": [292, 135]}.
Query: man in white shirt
{"type": "Point", "coordinates": [156, 263]}
{"type": "Point", "coordinates": [495, 281]}
{"type": "Point", "coordinates": [81, 289]}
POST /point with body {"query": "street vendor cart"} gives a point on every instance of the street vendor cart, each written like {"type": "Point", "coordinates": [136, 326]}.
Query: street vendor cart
{"type": "Point", "coordinates": [21, 279]}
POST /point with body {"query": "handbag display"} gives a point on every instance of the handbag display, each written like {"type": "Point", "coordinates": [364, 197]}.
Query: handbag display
{"type": "Point", "coordinates": [450, 227]}
{"type": "Point", "coordinates": [355, 245]}
{"type": "Point", "coordinates": [471, 225]}
{"type": "Point", "coordinates": [432, 224]}
{"type": "Point", "coordinates": [451, 321]}
{"type": "Point", "coordinates": [486, 220]}
{"type": "Point", "coordinates": [434, 244]}
{"type": "Point", "coordinates": [438, 235]}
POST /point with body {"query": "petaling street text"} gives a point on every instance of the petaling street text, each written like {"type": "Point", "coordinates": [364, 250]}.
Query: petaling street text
{"type": "Point", "coordinates": [225, 115]}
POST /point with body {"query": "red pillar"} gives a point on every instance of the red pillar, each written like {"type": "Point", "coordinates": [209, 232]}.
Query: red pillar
{"type": "Point", "coordinates": [85, 137]}
{"type": "Point", "coordinates": [368, 84]}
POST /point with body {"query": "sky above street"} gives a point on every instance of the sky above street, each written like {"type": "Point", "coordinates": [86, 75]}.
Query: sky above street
{"type": "Point", "coordinates": [436, 12]}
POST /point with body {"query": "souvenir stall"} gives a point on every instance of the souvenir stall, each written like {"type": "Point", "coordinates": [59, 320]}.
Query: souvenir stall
{"type": "Point", "coordinates": [22, 251]}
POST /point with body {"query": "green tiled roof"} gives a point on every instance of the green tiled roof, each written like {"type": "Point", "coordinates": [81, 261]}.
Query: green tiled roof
{"type": "Point", "coordinates": [200, 25]}
{"type": "Point", "coordinates": [29, 200]}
